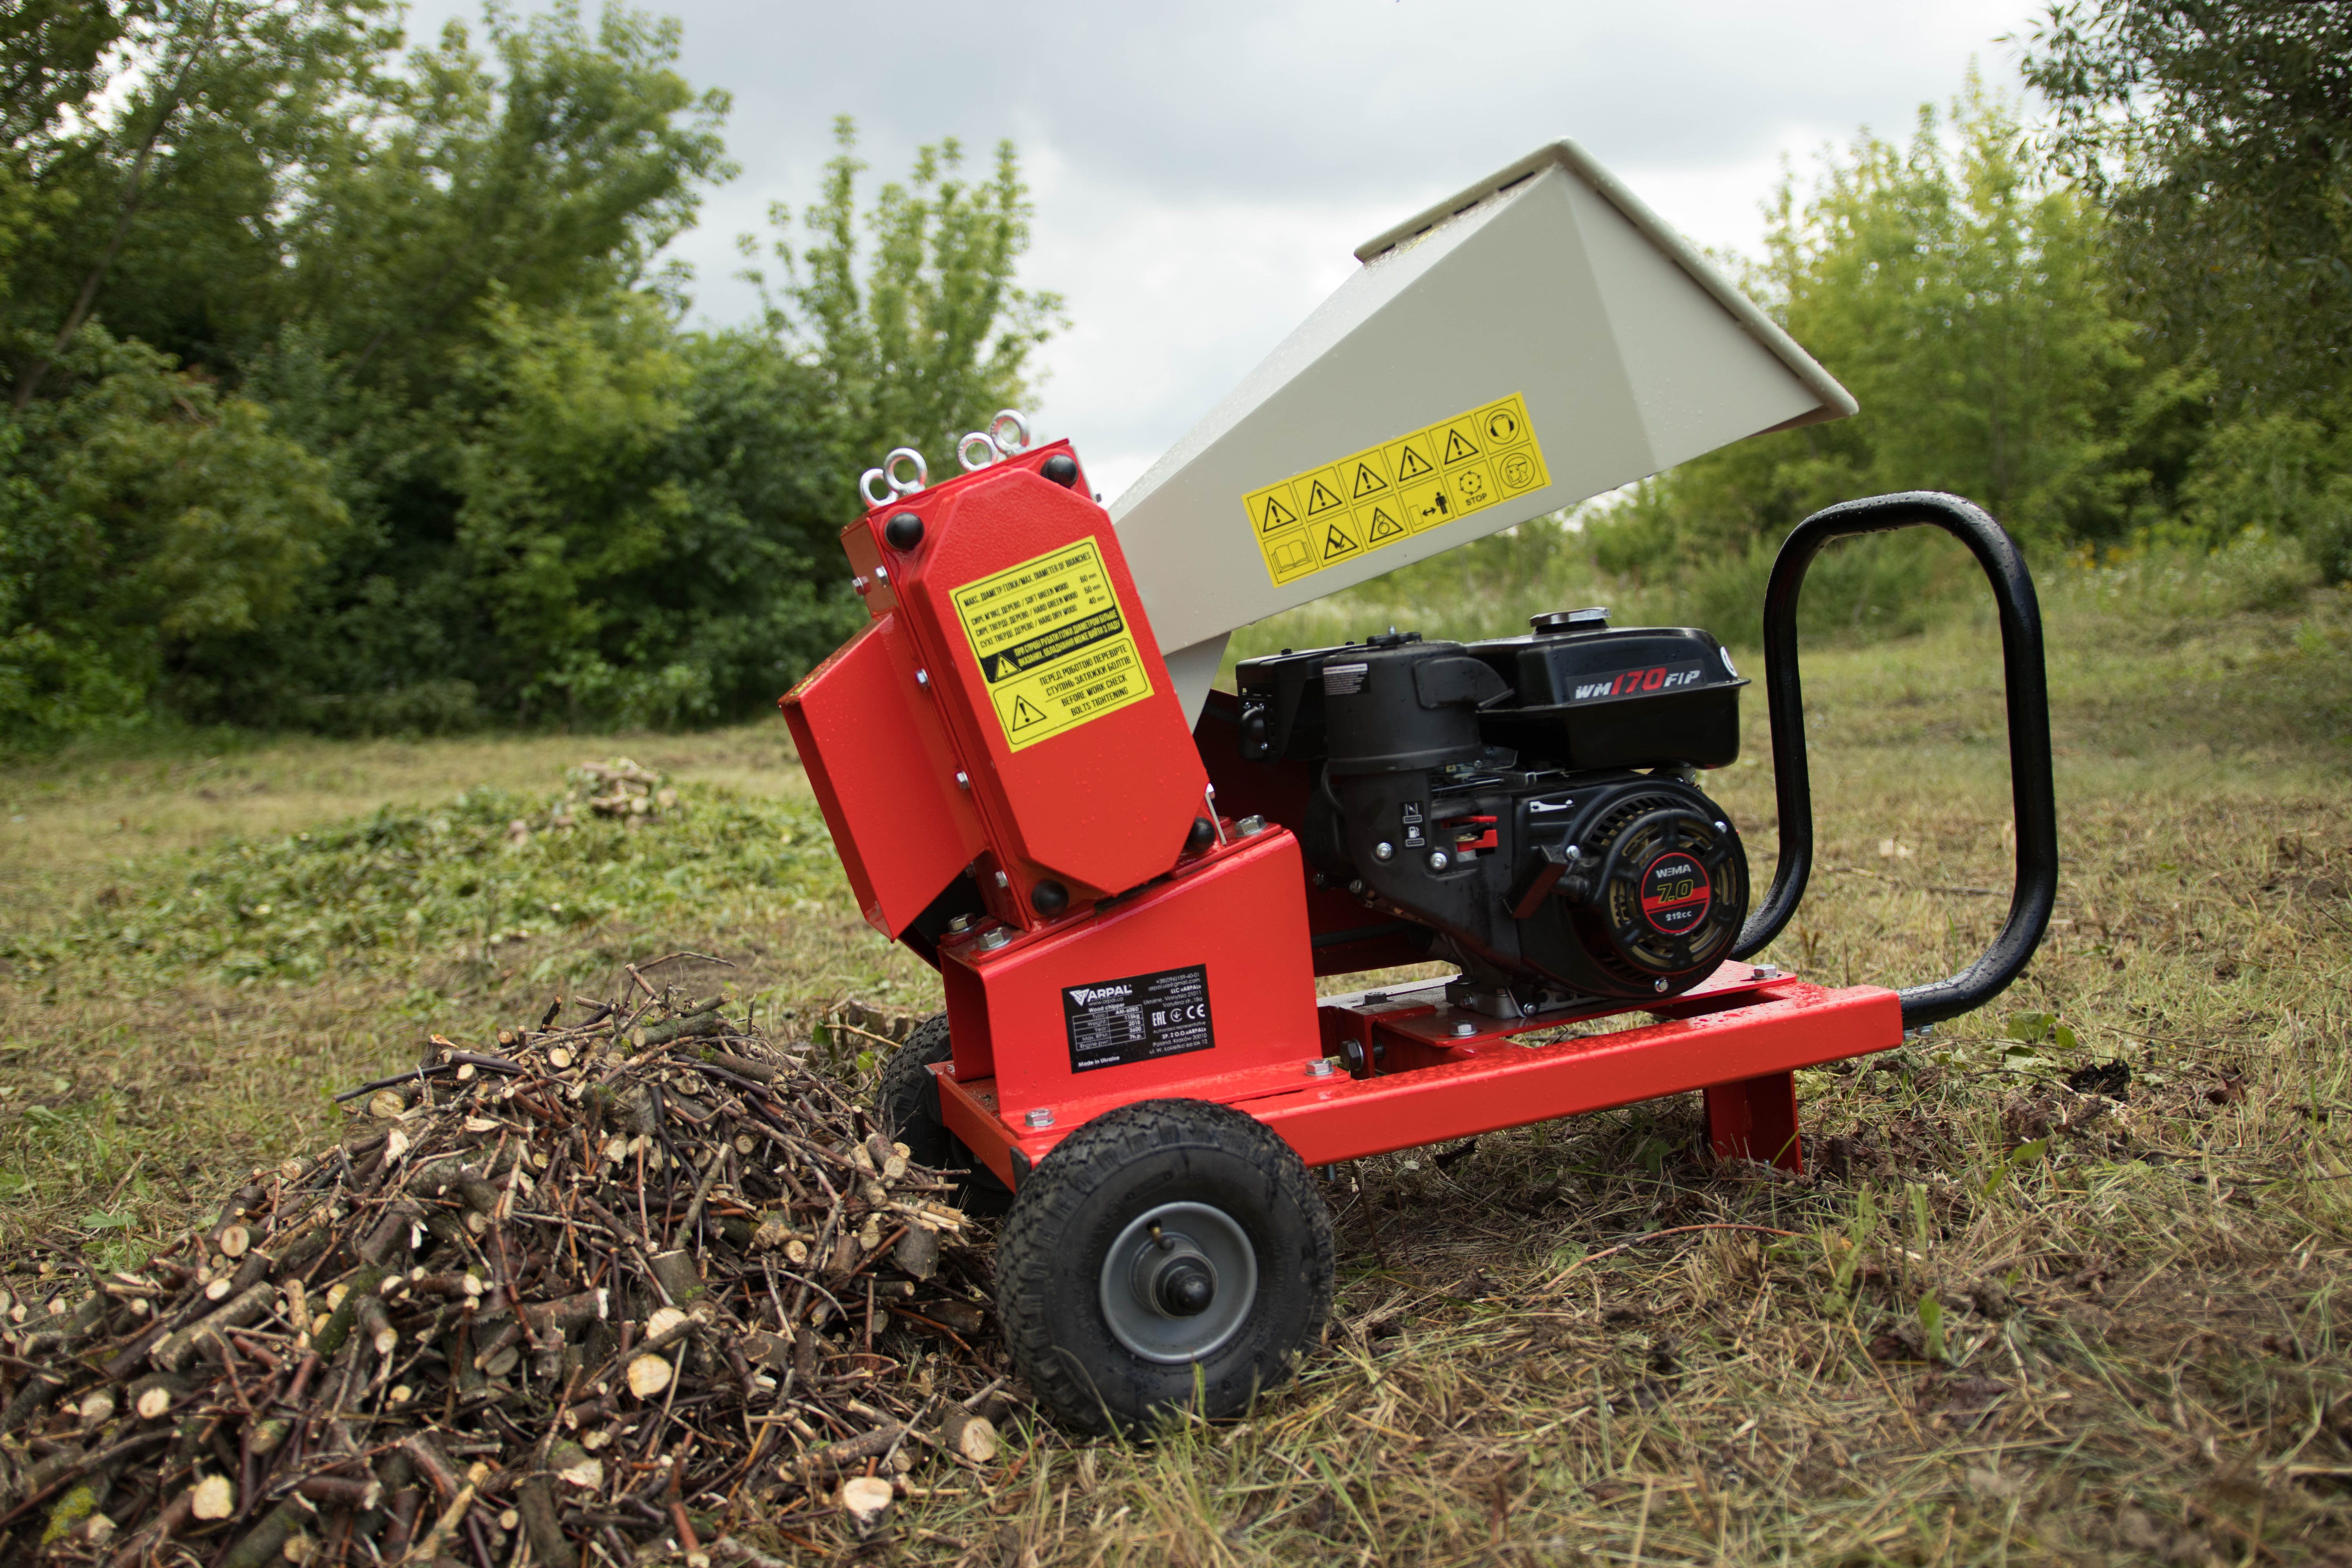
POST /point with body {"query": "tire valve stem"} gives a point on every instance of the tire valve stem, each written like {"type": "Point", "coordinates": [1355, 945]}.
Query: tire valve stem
{"type": "Point", "coordinates": [1160, 1241]}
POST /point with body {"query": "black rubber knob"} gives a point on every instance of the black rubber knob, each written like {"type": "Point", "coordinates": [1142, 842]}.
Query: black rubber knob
{"type": "Point", "coordinates": [1061, 467]}
{"type": "Point", "coordinates": [1186, 1289]}
{"type": "Point", "coordinates": [903, 530]}
{"type": "Point", "coordinates": [1204, 834]}
{"type": "Point", "coordinates": [1050, 898]}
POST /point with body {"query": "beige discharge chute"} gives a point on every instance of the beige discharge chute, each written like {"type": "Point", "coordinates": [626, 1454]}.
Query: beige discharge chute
{"type": "Point", "coordinates": [1534, 341]}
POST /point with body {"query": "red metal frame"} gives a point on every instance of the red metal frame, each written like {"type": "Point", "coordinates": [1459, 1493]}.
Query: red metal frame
{"type": "Point", "coordinates": [920, 787]}
{"type": "Point", "coordinates": [1737, 1037]}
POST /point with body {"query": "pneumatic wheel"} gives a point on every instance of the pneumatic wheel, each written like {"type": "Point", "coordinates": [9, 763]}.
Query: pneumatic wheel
{"type": "Point", "coordinates": [1169, 1254]}
{"type": "Point", "coordinates": [908, 1105]}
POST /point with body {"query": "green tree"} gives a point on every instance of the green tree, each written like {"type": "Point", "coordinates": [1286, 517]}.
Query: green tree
{"type": "Point", "coordinates": [347, 383]}
{"type": "Point", "coordinates": [165, 201]}
{"type": "Point", "coordinates": [2219, 135]}
{"type": "Point", "coordinates": [1961, 296]}
{"type": "Point", "coordinates": [142, 520]}
{"type": "Point", "coordinates": [937, 334]}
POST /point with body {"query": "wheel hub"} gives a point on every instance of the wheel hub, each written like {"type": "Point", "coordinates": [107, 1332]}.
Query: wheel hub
{"type": "Point", "coordinates": [1178, 1281]}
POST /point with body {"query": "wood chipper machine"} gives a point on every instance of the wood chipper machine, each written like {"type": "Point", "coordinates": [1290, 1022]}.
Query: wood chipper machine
{"type": "Point", "coordinates": [1130, 883]}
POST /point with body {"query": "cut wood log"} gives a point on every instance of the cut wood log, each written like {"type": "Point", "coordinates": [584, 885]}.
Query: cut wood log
{"type": "Point", "coordinates": [973, 1436]}
{"type": "Point", "coordinates": [866, 1501]}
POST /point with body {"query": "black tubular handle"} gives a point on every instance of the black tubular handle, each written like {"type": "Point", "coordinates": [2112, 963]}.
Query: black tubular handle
{"type": "Point", "coordinates": [2032, 800]}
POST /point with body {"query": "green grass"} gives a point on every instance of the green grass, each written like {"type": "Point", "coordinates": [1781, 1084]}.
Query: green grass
{"type": "Point", "coordinates": [2014, 1321]}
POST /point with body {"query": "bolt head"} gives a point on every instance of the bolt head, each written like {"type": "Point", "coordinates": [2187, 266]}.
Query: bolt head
{"type": "Point", "coordinates": [923, 677]}
{"type": "Point", "coordinates": [1658, 985]}
{"type": "Point", "coordinates": [1041, 1117]}
{"type": "Point", "coordinates": [1319, 1067]}
{"type": "Point", "coordinates": [1465, 1029]}
{"type": "Point", "coordinates": [1439, 859]}
{"type": "Point", "coordinates": [1250, 826]}
{"type": "Point", "coordinates": [992, 941]}
{"type": "Point", "coordinates": [1186, 1289]}
{"type": "Point", "coordinates": [960, 924]}
{"type": "Point", "coordinates": [963, 780]}
{"type": "Point", "coordinates": [1383, 851]}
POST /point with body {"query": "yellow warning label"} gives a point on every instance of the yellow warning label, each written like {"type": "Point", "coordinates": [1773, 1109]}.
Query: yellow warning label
{"type": "Point", "coordinates": [1425, 478]}
{"type": "Point", "coordinates": [1051, 644]}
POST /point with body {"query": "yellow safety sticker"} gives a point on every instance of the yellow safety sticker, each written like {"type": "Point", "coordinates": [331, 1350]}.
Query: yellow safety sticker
{"type": "Point", "coordinates": [1051, 643]}
{"type": "Point", "coordinates": [1341, 511]}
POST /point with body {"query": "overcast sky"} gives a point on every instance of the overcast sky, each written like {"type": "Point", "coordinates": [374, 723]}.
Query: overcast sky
{"type": "Point", "coordinates": [1202, 171]}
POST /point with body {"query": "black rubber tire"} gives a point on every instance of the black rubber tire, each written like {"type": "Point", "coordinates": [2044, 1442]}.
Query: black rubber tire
{"type": "Point", "coordinates": [907, 1103]}
{"type": "Point", "coordinates": [1072, 1207]}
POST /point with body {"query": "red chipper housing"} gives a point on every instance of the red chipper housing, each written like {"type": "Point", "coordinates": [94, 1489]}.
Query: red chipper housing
{"type": "Point", "coordinates": [1130, 885]}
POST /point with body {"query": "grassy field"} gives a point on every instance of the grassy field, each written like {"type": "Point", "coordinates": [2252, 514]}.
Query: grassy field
{"type": "Point", "coordinates": [2060, 1284]}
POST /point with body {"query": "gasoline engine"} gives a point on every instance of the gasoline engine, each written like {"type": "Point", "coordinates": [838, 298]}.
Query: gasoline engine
{"type": "Point", "coordinates": [1532, 801]}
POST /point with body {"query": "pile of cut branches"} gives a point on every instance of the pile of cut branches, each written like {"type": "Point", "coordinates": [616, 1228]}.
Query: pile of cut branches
{"type": "Point", "coordinates": [644, 1280]}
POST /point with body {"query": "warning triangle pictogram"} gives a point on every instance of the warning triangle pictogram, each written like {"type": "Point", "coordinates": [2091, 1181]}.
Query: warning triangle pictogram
{"type": "Point", "coordinates": [1278, 515]}
{"type": "Point", "coordinates": [1320, 498]}
{"type": "Point", "coordinates": [1384, 526]}
{"type": "Point", "coordinates": [1412, 466]}
{"type": "Point", "coordinates": [1005, 664]}
{"type": "Point", "coordinates": [1457, 447]}
{"type": "Point", "coordinates": [1025, 713]}
{"type": "Point", "coordinates": [1337, 544]}
{"type": "Point", "coordinates": [1368, 483]}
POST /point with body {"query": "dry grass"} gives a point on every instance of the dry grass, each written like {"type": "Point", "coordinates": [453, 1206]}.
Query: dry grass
{"type": "Point", "coordinates": [2014, 1321]}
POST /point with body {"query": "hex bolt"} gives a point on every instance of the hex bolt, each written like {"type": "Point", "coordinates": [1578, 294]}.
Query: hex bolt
{"type": "Point", "coordinates": [881, 573]}
{"type": "Point", "coordinates": [960, 924]}
{"type": "Point", "coordinates": [1250, 826]}
{"type": "Point", "coordinates": [1465, 1029]}
{"type": "Point", "coordinates": [1659, 983]}
{"type": "Point", "coordinates": [963, 780]}
{"type": "Point", "coordinates": [1041, 1117]}
{"type": "Point", "coordinates": [1383, 851]}
{"type": "Point", "coordinates": [1439, 859]}
{"type": "Point", "coordinates": [1319, 1067]}
{"type": "Point", "coordinates": [994, 939]}
{"type": "Point", "coordinates": [1767, 971]}
{"type": "Point", "coordinates": [923, 677]}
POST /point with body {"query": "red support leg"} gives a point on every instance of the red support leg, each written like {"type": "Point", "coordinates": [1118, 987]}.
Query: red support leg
{"type": "Point", "coordinates": [1756, 1120]}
